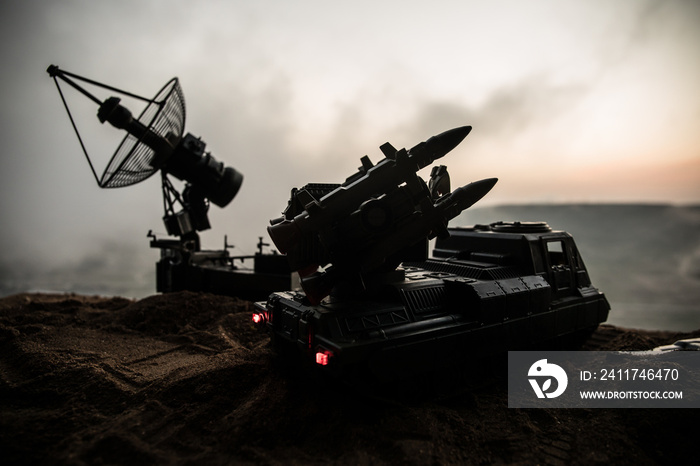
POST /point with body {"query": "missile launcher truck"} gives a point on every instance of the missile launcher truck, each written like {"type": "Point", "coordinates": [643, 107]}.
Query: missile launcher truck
{"type": "Point", "coordinates": [375, 306]}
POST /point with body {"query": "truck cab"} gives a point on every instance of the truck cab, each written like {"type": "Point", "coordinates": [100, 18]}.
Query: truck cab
{"type": "Point", "coordinates": [532, 247]}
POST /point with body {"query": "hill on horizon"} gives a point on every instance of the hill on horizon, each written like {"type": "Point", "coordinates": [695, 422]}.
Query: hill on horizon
{"type": "Point", "coordinates": [644, 257]}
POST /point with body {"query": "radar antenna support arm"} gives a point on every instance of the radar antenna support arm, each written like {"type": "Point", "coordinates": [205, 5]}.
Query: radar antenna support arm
{"type": "Point", "coordinates": [56, 73]}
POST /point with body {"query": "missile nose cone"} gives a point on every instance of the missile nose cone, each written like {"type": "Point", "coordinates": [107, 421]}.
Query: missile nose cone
{"type": "Point", "coordinates": [462, 198]}
{"type": "Point", "coordinates": [481, 188]}
{"type": "Point", "coordinates": [473, 192]}
{"type": "Point", "coordinates": [452, 137]}
{"type": "Point", "coordinates": [486, 184]}
{"type": "Point", "coordinates": [439, 145]}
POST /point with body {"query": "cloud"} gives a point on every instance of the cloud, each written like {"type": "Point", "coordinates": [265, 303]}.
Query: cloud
{"type": "Point", "coordinates": [505, 111]}
{"type": "Point", "coordinates": [106, 266]}
{"type": "Point", "coordinates": [690, 266]}
{"type": "Point", "coordinates": [295, 94]}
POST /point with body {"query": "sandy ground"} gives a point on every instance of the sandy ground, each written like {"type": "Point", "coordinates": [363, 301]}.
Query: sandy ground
{"type": "Point", "coordinates": [186, 378]}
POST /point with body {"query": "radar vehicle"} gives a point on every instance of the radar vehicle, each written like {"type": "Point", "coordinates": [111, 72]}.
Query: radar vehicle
{"type": "Point", "coordinates": [155, 142]}
{"type": "Point", "coordinates": [375, 306]}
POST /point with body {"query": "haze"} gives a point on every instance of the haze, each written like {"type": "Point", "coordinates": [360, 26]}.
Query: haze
{"type": "Point", "coordinates": [593, 101]}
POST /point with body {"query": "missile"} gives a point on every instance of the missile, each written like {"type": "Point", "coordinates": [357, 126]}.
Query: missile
{"type": "Point", "coordinates": [430, 223]}
{"type": "Point", "coordinates": [437, 146]}
{"type": "Point", "coordinates": [463, 198]}
{"type": "Point", "coordinates": [364, 255]}
{"type": "Point", "coordinates": [398, 167]}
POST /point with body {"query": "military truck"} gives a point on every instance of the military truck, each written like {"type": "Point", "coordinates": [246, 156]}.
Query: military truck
{"type": "Point", "coordinates": [488, 288]}
{"type": "Point", "coordinates": [375, 305]}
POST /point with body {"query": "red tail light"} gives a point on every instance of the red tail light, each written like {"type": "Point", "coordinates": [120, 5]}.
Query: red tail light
{"type": "Point", "coordinates": [258, 318]}
{"type": "Point", "coordinates": [323, 357]}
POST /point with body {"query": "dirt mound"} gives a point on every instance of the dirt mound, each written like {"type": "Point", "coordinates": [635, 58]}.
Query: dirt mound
{"type": "Point", "coordinates": [187, 378]}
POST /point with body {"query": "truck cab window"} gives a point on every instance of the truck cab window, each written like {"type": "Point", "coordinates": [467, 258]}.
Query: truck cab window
{"type": "Point", "coordinates": [557, 253]}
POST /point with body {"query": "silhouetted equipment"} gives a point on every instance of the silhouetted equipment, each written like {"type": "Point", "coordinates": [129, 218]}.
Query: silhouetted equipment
{"type": "Point", "coordinates": [375, 307]}
{"type": "Point", "coordinates": [155, 142]}
{"type": "Point", "coordinates": [380, 216]}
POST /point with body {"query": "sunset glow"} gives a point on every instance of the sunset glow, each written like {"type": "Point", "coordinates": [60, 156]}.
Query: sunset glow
{"type": "Point", "coordinates": [570, 101]}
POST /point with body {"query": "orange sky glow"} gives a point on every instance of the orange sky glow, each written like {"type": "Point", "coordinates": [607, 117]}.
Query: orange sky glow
{"type": "Point", "coordinates": [570, 101]}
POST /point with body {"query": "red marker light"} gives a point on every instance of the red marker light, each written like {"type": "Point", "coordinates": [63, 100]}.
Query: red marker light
{"type": "Point", "coordinates": [258, 317]}
{"type": "Point", "coordinates": [323, 357]}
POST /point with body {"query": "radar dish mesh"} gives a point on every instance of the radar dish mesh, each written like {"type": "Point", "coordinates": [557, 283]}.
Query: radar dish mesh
{"type": "Point", "coordinates": [133, 161]}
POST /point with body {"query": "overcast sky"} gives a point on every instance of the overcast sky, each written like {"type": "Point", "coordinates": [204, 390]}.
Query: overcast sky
{"type": "Point", "coordinates": [570, 101]}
